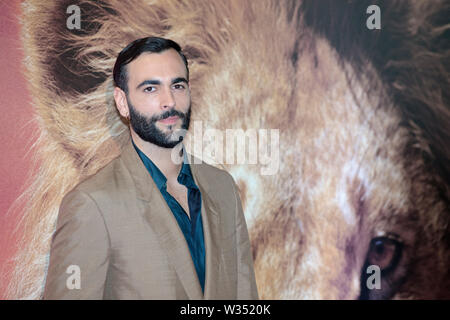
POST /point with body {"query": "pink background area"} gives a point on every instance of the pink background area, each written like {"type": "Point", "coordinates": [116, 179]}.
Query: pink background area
{"type": "Point", "coordinates": [17, 133]}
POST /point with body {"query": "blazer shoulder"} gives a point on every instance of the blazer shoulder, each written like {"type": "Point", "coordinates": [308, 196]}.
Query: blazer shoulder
{"type": "Point", "coordinates": [214, 175]}
{"type": "Point", "coordinates": [107, 180]}
{"type": "Point", "coordinates": [220, 186]}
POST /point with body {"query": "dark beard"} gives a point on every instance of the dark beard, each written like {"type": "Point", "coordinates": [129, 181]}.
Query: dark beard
{"type": "Point", "coordinates": [146, 128]}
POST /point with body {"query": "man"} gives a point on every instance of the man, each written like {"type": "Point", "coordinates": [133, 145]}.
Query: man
{"type": "Point", "coordinates": [150, 225]}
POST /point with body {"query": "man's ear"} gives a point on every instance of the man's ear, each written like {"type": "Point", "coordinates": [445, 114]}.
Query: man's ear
{"type": "Point", "coordinates": [121, 102]}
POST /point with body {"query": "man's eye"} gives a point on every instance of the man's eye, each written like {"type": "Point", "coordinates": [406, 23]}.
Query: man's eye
{"type": "Point", "coordinates": [149, 89]}
{"type": "Point", "coordinates": [179, 86]}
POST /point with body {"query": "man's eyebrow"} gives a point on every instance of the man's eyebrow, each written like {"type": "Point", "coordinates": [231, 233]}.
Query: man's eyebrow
{"type": "Point", "coordinates": [179, 79]}
{"type": "Point", "coordinates": [147, 82]}
{"type": "Point", "coordinates": [157, 82]}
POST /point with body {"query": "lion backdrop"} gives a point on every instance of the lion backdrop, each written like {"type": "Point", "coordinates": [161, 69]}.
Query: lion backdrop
{"type": "Point", "coordinates": [363, 118]}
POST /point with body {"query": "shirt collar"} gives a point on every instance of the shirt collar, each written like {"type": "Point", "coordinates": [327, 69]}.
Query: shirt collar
{"type": "Point", "coordinates": [184, 177]}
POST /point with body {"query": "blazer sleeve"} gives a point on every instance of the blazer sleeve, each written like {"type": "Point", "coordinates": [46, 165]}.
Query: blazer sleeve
{"type": "Point", "coordinates": [79, 254]}
{"type": "Point", "coordinates": [246, 282]}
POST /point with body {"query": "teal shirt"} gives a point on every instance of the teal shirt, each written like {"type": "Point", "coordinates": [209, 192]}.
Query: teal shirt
{"type": "Point", "coordinates": [191, 228]}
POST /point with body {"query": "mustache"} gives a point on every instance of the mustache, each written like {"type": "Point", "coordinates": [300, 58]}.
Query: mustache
{"type": "Point", "coordinates": [167, 114]}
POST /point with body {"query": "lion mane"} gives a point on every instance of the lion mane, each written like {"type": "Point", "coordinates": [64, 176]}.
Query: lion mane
{"type": "Point", "coordinates": [363, 117]}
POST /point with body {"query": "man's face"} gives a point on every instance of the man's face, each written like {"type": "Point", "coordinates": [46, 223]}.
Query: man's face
{"type": "Point", "coordinates": [158, 98]}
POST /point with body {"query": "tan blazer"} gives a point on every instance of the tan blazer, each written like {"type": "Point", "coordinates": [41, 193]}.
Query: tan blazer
{"type": "Point", "coordinates": [118, 231]}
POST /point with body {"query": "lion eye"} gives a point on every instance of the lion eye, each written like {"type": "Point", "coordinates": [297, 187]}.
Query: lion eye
{"type": "Point", "coordinates": [384, 252]}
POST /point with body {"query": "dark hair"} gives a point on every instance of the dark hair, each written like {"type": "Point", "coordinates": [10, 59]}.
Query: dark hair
{"type": "Point", "coordinates": [135, 49]}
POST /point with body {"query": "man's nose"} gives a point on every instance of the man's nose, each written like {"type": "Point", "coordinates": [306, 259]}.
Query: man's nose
{"type": "Point", "coordinates": [167, 99]}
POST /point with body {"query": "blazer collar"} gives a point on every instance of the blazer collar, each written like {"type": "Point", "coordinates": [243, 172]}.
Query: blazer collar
{"type": "Point", "coordinates": [144, 181]}
{"type": "Point", "coordinates": [162, 221]}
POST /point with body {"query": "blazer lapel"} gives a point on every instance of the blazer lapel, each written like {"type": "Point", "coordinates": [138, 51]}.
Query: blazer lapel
{"type": "Point", "coordinates": [211, 232]}
{"type": "Point", "coordinates": [162, 221]}
{"type": "Point", "coordinates": [161, 218]}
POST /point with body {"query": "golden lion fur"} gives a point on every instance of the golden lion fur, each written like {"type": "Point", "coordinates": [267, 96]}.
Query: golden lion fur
{"type": "Point", "coordinates": [356, 162]}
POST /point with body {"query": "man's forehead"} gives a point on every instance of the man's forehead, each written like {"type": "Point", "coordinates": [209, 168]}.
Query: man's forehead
{"type": "Point", "coordinates": [167, 63]}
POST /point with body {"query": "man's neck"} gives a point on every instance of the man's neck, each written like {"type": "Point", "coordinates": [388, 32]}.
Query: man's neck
{"type": "Point", "coordinates": [161, 157]}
